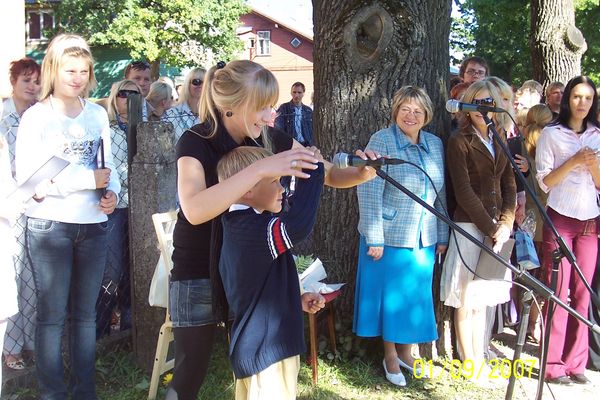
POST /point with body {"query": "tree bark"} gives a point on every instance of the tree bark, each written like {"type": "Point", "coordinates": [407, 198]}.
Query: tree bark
{"type": "Point", "coordinates": [364, 51]}
{"type": "Point", "coordinates": [556, 43]}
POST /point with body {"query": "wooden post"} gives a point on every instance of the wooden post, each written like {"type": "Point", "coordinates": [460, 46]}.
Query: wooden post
{"type": "Point", "coordinates": [152, 189]}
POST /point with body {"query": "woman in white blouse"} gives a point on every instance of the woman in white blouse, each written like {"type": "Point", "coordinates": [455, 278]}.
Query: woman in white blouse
{"type": "Point", "coordinates": [568, 170]}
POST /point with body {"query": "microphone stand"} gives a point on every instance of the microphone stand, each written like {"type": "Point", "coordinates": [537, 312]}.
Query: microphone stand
{"type": "Point", "coordinates": [535, 285]}
{"type": "Point", "coordinates": [562, 251]}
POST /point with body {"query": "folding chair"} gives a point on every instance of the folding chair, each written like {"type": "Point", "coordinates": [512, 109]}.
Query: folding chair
{"type": "Point", "coordinates": [164, 223]}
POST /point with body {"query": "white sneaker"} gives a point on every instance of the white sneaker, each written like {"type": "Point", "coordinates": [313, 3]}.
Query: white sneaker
{"type": "Point", "coordinates": [397, 379]}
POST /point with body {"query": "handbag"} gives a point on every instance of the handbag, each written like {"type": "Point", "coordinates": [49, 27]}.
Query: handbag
{"type": "Point", "coordinates": [489, 268]}
{"type": "Point", "coordinates": [527, 257]}
{"type": "Point", "coordinates": [158, 296]}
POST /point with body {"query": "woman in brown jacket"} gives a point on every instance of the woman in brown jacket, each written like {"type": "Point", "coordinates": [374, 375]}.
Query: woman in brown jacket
{"type": "Point", "coordinates": [484, 187]}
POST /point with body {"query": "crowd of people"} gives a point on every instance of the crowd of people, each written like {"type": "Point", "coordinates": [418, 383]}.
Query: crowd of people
{"type": "Point", "coordinates": [69, 236]}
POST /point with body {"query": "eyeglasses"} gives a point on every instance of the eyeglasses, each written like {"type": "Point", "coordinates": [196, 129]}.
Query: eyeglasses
{"type": "Point", "coordinates": [417, 112]}
{"type": "Point", "coordinates": [475, 72]}
{"type": "Point", "coordinates": [197, 82]}
{"type": "Point", "coordinates": [124, 93]}
{"type": "Point", "coordinates": [488, 101]}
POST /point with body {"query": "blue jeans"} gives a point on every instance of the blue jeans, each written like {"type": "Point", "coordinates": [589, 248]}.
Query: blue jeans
{"type": "Point", "coordinates": [190, 303]}
{"type": "Point", "coordinates": [68, 263]}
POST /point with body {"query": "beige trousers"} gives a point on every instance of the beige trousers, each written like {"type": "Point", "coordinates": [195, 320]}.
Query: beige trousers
{"type": "Point", "coordinates": [278, 381]}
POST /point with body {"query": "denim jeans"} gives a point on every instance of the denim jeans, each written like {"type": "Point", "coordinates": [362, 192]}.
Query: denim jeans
{"type": "Point", "coordinates": [68, 263]}
{"type": "Point", "coordinates": [190, 303]}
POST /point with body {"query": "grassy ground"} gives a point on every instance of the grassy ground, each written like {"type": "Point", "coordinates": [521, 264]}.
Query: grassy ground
{"type": "Point", "coordinates": [357, 379]}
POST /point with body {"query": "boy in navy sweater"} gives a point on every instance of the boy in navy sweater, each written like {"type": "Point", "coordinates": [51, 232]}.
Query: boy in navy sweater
{"type": "Point", "coordinates": [261, 282]}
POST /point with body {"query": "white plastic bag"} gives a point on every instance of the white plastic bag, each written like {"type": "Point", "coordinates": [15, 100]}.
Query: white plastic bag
{"type": "Point", "coordinates": [159, 287]}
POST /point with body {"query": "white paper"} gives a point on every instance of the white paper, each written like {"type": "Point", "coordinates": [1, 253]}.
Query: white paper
{"type": "Point", "coordinates": [313, 275]}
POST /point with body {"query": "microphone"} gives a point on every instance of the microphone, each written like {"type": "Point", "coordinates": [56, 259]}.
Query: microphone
{"type": "Point", "coordinates": [343, 160]}
{"type": "Point", "coordinates": [456, 106]}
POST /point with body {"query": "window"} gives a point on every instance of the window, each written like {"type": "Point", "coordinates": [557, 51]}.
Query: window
{"type": "Point", "coordinates": [263, 45]}
{"type": "Point", "coordinates": [37, 22]}
{"type": "Point", "coordinates": [296, 42]}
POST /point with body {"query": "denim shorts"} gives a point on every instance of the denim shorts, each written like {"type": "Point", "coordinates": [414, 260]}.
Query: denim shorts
{"type": "Point", "coordinates": [190, 303]}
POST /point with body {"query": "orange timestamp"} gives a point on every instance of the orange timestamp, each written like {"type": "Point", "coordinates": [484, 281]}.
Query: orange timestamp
{"type": "Point", "coordinates": [468, 369]}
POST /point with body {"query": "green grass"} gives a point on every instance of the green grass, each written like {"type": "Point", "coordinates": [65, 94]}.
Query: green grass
{"type": "Point", "coordinates": [118, 378]}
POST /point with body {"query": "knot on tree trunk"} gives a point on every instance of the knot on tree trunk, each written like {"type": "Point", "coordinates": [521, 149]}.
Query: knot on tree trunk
{"type": "Point", "coordinates": [574, 39]}
{"type": "Point", "coordinates": [368, 35]}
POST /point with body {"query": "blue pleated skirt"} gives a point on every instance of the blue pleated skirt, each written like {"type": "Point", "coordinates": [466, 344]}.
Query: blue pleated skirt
{"type": "Point", "coordinates": [393, 297]}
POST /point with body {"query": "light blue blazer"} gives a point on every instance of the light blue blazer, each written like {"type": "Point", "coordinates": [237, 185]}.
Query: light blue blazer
{"type": "Point", "coordinates": [388, 216]}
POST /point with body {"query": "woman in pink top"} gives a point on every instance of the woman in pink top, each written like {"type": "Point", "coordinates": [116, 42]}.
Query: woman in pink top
{"type": "Point", "coordinates": [568, 170]}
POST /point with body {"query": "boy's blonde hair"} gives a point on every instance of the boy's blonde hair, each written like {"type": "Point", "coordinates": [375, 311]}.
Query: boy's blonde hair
{"type": "Point", "coordinates": [65, 45]}
{"type": "Point", "coordinates": [241, 86]}
{"type": "Point", "coordinates": [238, 159]}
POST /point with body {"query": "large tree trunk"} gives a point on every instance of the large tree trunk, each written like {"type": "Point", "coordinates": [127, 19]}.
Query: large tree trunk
{"type": "Point", "coordinates": [364, 51]}
{"type": "Point", "coordinates": [556, 43]}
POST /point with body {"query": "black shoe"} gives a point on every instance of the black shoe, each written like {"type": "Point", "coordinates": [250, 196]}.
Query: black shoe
{"type": "Point", "coordinates": [560, 380]}
{"type": "Point", "coordinates": [580, 379]}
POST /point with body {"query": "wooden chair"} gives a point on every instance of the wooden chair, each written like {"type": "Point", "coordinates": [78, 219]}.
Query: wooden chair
{"type": "Point", "coordinates": [164, 223]}
{"type": "Point", "coordinates": [312, 328]}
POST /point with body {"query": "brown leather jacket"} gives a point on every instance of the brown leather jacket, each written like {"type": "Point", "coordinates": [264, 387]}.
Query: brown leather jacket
{"type": "Point", "coordinates": [484, 186]}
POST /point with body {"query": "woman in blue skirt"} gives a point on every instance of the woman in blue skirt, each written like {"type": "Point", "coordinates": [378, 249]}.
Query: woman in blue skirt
{"type": "Point", "coordinates": [399, 238]}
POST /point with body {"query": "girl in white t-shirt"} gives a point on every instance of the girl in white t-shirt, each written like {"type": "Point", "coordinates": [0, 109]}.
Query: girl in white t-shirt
{"type": "Point", "coordinates": [67, 229]}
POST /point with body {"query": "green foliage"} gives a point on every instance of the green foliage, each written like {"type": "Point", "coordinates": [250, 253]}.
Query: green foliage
{"type": "Point", "coordinates": [303, 262]}
{"type": "Point", "coordinates": [498, 30]}
{"type": "Point", "coordinates": [587, 18]}
{"type": "Point", "coordinates": [176, 32]}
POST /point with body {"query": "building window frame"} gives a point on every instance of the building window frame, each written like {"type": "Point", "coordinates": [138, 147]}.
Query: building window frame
{"type": "Point", "coordinates": [46, 20]}
{"type": "Point", "coordinates": [263, 43]}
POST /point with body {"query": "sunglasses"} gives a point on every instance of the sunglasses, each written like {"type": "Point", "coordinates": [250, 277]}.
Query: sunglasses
{"type": "Point", "coordinates": [488, 101]}
{"type": "Point", "coordinates": [197, 82]}
{"type": "Point", "coordinates": [124, 93]}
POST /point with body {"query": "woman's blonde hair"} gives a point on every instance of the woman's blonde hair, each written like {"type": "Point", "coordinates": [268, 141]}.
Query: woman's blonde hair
{"type": "Point", "coordinates": [65, 45]}
{"type": "Point", "coordinates": [538, 117]}
{"type": "Point", "coordinates": [159, 91]}
{"type": "Point", "coordinates": [238, 159]}
{"type": "Point", "coordinates": [408, 93]}
{"type": "Point", "coordinates": [241, 86]}
{"type": "Point", "coordinates": [112, 98]}
{"type": "Point", "coordinates": [507, 94]}
{"type": "Point", "coordinates": [464, 121]}
{"type": "Point", "coordinates": [196, 73]}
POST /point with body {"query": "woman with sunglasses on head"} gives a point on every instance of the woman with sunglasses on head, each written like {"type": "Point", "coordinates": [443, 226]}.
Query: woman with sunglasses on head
{"type": "Point", "coordinates": [235, 107]}
{"type": "Point", "coordinates": [184, 114]}
{"type": "Point", "coordinates": [568, 170]}
{"type": "Point", "coordinates": [67, 229]}
{"type": "Point", "coordinates": [484, 187]}
{"type": "Point", "coordinates": [25, 81]}
{"type": "Point", "coordinates": [116, 274]}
